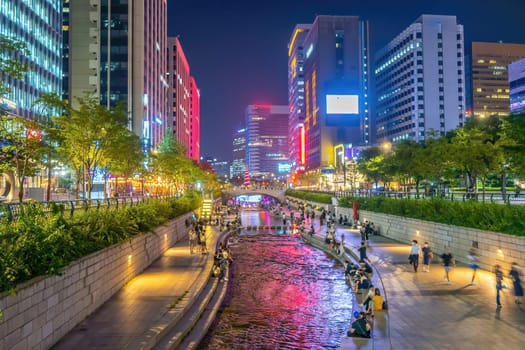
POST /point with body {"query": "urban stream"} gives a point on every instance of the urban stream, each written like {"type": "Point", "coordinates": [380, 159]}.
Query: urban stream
{"type": "Point", "coordinates": [282, 294]}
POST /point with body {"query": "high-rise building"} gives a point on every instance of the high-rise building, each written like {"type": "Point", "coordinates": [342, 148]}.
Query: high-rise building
{"type": "Point", "coordinates": [296, 132]}
{"type": "Point", "coordinates": [335, 53]}
{"type": "Point", "coordinates": [490, 81]}
{"type": "Point", "coordinates": [238, 165]}
{"type": "Point", "coordinates": [184, 100]}
{"type": "Point", "coordinates": [117, 50]}
{"type": "Point", "coordinates": [38, 25]}
{"type": "Point", "coordinates": [517, 86]}
{"type": "Point", "coordinates": [65, 50]}
{"type": "Point", "coordinates": [420, 80]}
{"type": "Point", "coordinates": [195, 115]}
{"type": "Point", "coordinates": [267, 142]}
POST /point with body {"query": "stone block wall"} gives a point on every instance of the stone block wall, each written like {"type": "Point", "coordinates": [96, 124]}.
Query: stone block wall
{"type": "Point", "coordinates": [45, 309]}
{"type": "Point", "coordinates": [492, 247]}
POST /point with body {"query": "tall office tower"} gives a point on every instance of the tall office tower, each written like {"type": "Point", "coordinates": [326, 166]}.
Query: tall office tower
{"type": "Point", "coordinates": [184, 100]}
{"type": "Point", "coordinates": [336, 87]}
{"type": "Point", "coordinates": [117, 50]}
{"type": "Point", "coordinates": [195, 115]}
{"type": "Point", "coordinates": [65, 50]}
{"type": "Point", "coordinates": [37, 24]}
{"type": "Point", "coordinates": [296, 132]}
{"type": "Point", "coordinates": [238, 166]}
{"type": "Point", "coordinates": [517, 86]}
{"type": "Point", "coordinates": [267, 141]}
{"type": "Point", "coordinates": [420, 80]}
{"type": "Point", "coordinates": [490, 84]}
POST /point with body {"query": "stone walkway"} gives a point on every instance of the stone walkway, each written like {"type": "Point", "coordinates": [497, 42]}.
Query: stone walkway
{"type": "Point", "coordinates": [427, 313]}
{"type": "Point", "coordinates": [146, 306]}
{"type": "Point", "coordinates": [424, 311]}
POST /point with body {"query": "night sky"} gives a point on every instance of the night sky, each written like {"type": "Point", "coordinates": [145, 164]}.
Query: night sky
{"type": "Point", "coordinates": [237, 49]}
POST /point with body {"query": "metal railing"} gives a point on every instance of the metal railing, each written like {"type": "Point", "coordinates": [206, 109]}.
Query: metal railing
{"type": "Point", "coordinates": [12, 210]}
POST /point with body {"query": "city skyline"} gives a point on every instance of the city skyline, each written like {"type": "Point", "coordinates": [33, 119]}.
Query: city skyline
{"type": "Point", "coordinates": [239, 50]}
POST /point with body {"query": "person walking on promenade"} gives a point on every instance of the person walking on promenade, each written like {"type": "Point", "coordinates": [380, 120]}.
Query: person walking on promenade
{"type": "Point", "coordinates": [448, 262]}
{"type": "Point", "coordinates": [473, 263]}
{"type": "Point", "coordinates": [427, 256]}
{"type": "Point", "coordinates": [415, 251]}
{"type": "Point", "coordinates": [499, 284]}
{"type": "Point", "coordinates": [516, 281]}
{"type": "Point", "coordinates": [193, 240]}
{"type": "Point", "coordinates": [362, 252]}
{"type": "Point", "coordinates": [202, 237]}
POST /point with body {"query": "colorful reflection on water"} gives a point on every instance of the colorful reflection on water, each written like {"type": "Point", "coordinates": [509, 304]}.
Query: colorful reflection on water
{"type": "Point", "coordinates": [283, 294]}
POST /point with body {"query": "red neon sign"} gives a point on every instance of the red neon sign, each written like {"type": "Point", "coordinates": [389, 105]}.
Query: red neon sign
{"type": "Point", "coordinates": [303, 155]}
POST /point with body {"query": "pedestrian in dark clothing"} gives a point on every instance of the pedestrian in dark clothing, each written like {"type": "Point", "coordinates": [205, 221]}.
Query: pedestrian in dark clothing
{"type": "Point", "coordinates": [427, 256]}
{"type": "Point", "coordinates": [499, 284]}
{"type": "Point", "coordinates": [448, 261]}
{"type": "Point", "coordinates": [516, 282]}
{"type": "Point", "coordinates": [362, 252]}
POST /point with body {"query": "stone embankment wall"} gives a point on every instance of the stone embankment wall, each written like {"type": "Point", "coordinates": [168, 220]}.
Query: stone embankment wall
{"type": "Point", "coordinates": [492, 247]}
{"type": "Point", "coordinates": [45, 309]}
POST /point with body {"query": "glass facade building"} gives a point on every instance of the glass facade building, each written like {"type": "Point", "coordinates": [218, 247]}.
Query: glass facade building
{"type": "Point", "coordinates": [420, 81]}
{"type": "Point", "coordinates": [238, 166]}
{"type": "Point", "coordinates": [267, 142]}
{"type": "Point", "coordinates": [118, 50]}
{"type": "Point", "coordinates": [335, 53]}
{"type": "Point", "coordinates": [296, 135]}
{"type": "Point", "coordinates": [517, 86]}
{"type": "Point", "coordinates": [38, 24]}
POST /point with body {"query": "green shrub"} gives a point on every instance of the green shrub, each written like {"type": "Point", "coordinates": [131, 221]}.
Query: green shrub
{"type": "Point", "coordinates": [310, 196]}
{"type": "Point", "coordinates": [495, 217]}
{"type": "Point", "coordinates": [38, 244]}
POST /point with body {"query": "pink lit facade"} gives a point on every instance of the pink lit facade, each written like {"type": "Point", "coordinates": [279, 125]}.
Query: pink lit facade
{"type": "Point", "coordinates": [195, 149]}
{"type": "Point", "coordinates": [184, 100]}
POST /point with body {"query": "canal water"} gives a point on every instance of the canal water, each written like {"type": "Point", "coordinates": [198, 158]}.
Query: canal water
{"type": "Point", "coordinates": [282, 294]}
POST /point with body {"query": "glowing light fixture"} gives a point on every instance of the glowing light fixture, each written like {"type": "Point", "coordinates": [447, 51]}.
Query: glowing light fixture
{"type": "Point", "coordinates": [303, 148]}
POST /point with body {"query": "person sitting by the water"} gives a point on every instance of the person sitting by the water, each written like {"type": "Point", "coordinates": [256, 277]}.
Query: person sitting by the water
{"type": "Point", "coordinates": [377, 302]}
{"type": "Point", "coordinates": [368, 299]}
{"type": "Point", "coordinates": [363, 283]}
{"type": "Point", "coordinates": [312, 231]}
{"type": "Point", "coordinates": [360, 327]}
{"type": "Point", "coordinates": [345, 220]}
{"type": "Point", "coordinates": [215, 270]}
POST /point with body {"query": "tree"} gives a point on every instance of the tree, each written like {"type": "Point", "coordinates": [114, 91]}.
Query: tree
{"type": "Point", "coordinates": [513, 144]}
{"type": "Point", "coordinates": [124, 156]}
{"type": "Point", "coordinates": [48, 103]}
{"type": "Point", "coordinates": [22, 148]}
{"type": "Point", "coordinates": [171, 163]}
{"type": "Point", "coordinates": [86, 134]}
{"type": "Point", "coordinates": [370, 164]}
{"type": "Point", "coordinates": [411, 163]}
{"type": "Point", "coordinates": [474, 155]}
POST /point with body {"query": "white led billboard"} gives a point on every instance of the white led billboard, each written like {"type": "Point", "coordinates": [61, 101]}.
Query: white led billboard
{"type": "Point", "coordinates": [342, 104]}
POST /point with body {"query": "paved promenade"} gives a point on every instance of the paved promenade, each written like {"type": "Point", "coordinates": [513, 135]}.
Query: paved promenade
{"type": "Point", "coordinates": [146, 305]}
{"type": "Point", "coordinates": [424, 311]}
{"type": "Point", "coordinates": [427, 313]}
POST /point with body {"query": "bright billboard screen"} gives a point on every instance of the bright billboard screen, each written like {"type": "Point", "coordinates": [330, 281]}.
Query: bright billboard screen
{"type": "Point", "coordinates": [342, 104]}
